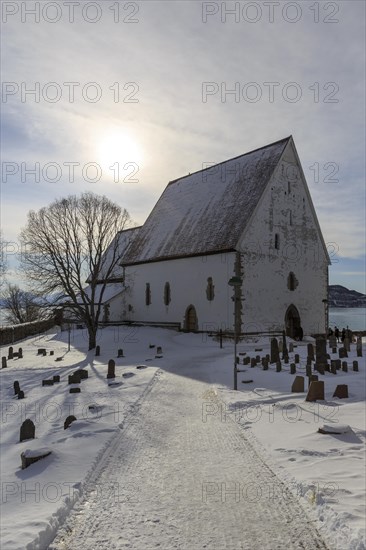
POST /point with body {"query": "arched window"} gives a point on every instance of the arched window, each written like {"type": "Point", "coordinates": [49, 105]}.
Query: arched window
{"type": "Point", "coordinates": [167, 296]}
{"type": "Point", "coordinates": [277, 241]}
{"type": "Point", "coordinates": [210, 290]}
{"type": "Point", "coordinates": [292, 282]}
{"type": "Point", "coordinates": [147, 294]}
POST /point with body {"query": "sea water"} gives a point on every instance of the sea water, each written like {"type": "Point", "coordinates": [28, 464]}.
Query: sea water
{"type": "Point", "coordinates": [353, 317]}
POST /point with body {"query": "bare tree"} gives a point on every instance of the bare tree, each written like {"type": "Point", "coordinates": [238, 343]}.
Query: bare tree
{"type": "Point", "coordinates": [20, 306]}
{"type": "Point", "coordinates": [69, 241]}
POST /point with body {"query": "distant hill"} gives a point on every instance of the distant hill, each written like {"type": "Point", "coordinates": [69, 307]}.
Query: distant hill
{"type": "Point", "coordinates": [340, 296]}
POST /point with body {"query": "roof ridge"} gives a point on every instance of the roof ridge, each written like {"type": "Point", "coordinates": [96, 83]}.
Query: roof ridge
{"type": "Point", "coordinates": [233, 158]}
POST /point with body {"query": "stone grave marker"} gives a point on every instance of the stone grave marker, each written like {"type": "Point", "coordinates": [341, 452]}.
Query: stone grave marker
{"type": "Point", "coordinates": [286, 359]}
{"type": "Point", "coordinates": [308, 370]}
{"type": "Point", "coordinates": [347, 344]}
{"type": "Point", "coordinates": [111, 369]}
{"type": "Point", "coordinates": [316, 391]}
{"type": "Point", "coordinates": [52, 352]}
{"type": "Point", "coordinates": [284, 345]}
{"type": "Point", "coordinates": [11, 353]}
{"type": "Point", "coordinates": [16, 387]}
{"type": "Point", "coordinates": [338, 364]}
{"type": "Point", "coordinates": [290, 347]}
{"type": "Point", "coordinates": [298, 385]}
{"type": "Point", "coordinates": [20, 394]}
{"type": "Point", "coordinates": [333, 367]}
{"type": "Point", "coordinates": [69, 420]}
{"type": "Point", "coordinates": [311, 351]}
{"type": "Point", "coordinates": [342, 353]}
{"type": "Point", "coordinates": [74, 390]}
{"type": "Point", "coordinates": [265, 363]}
{"type": "Point", "coordinates": [48, 382]}
{"type": "Point", "coordinates": [278, 366]}
{"type": "Point", "coordinates": [297, 358]}
{"type": "Point", "coordinates": [280, 346]}
{"type": "Point", "coordinates": [27, 460]}
{"type": "Point", "coordinates": [3, 363]}
{"type": "Point", "coordinates": [257, 359]}
{"type": "Point", "coordinates": [253, 362]}
{"type": "Point", "coordinates": [83, 373]}
{"type": "Point", "coordinates": [20, 353]}
{"type": "Point", "coordinates": [292, 368]}
{"type": "Point", "coordinates": [275, 352]}
{"type": "Point", "coordinates": [40, 351]}
{"type": "Point", "coordinates": [74, 378]}
{"type": "Point", "coordinates": [355, 366]}
{"type": "Point", "coordinates": [159, 352]}
{"type": "Point", "coordinates": [332, 341]}
{"type": "Point", "coordinates": [97, 351]}
{"type": "Point", "coordinates": [341, 391]}
{"type": "Point", "coordinates": [320, 352]}
{"type": "Point", "coordinates": [120, 353]}
{"type": "Point", "coordinates": [359, 346]}
{"type": "Point", "coordinates": [246, 361]}
{"type": "Point", "coordinates": [27, 430]}
{"type": "Point", "coordinates": [56, 378]}
{"type": "Point", "coordinates": [344, 366]}
{"type": "Point", "coordinates": [314, 378]}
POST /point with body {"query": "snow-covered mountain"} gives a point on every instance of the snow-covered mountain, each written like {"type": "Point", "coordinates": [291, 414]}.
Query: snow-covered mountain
{"type": "Point", "coordinates": [340, 296]}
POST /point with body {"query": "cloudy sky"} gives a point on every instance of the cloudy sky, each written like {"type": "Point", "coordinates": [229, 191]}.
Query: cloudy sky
{"type": "Point", "coordinates": [156, 89]}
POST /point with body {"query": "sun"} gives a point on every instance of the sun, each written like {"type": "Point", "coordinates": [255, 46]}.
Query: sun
{"type": "Point", "coordinates": [119, 153]}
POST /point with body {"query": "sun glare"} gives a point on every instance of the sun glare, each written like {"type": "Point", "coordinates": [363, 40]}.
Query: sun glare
{"type": "Point", "coordinates": [119, 153]}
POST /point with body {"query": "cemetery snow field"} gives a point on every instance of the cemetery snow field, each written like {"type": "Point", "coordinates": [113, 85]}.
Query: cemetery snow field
{"type": "Point", "coordinates": [157, 450]}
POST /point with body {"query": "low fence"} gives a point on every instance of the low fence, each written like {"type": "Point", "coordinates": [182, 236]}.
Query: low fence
{"type": "Point", "coordinates": [13, 333]}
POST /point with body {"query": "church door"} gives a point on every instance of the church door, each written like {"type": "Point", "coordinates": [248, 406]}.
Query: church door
{"type": "Point", "coordinates": [190, 320]}
{"type": "Point", "coordinates": [292, 321]}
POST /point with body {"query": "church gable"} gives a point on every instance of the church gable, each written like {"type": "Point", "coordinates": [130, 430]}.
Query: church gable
{"type": "Point", "coordinates": [206, 212]}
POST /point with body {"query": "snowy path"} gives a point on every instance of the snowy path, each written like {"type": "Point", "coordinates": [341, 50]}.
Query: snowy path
{"type": "Point", "coordinates": [172, 480]}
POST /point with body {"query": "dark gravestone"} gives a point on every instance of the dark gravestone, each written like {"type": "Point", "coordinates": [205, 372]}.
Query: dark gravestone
{"type": "Point", "coordinates": [97, 351]}
{"type": "Point", "coordinates": [59, 359]}
{"type": "Point", "coordinates": [10, 353]}
{"type": "Point", "coordinates": [52, 352]}
{"type": "Point", "coordinates": [159, 352]}
{"type": "Point", "coordinates": [286, 359]}
{"type": "Point", "coordinates": [3, 363]}
{"type": "Point", "coordinates": [292, 368]}
{"type": "Point", "coordinates": [44, 353]}
{"type": "Point", "coordinates": [27, 430]}
{"type": "Point", "coordinates": [15, 354]}
{"type": "Point", "coordinates": [308, 370]}
{"type": "Point", "coordinates": [298, 385]}
{"type": "Point", "coordinates": [246, 361]}
{"type": "Point", "coordinates": [56, 378]}
{"type": "Point", "coordinates": [47, 382]}
{"type": "Point", "coordinates": [342, 353]}
{"type": "Point", "coordinates": [316, 391]}
{"type": "Point", "coordinates": [120, 353]}
{"type": "Point", "coordinates": [82, 373]}
{"type": "Point", "coordinates": [111, 369]}
{"type": "Point", "coordinates": [20, 353]}
{"type": "Point", "coordinates": [355, 366]}
{"type": "Point", "coordinates": [334, 350]}
{"type": "Point", "coordinates": [74, 378]}
{"type": "Point", "coordinates": [290, 347]}
{"type": "Point", "coordinates": [74, 390]}
{"type": "Point", "coordinates": [314, 378]}
{"type": "Point", "coordinates": [16, 387]}
{"type": "Point", "coordinates": [341, 391]}
{"type": "Point", "coordinates": [275, 352]}
{"type": "Point", "coordinates": [280, 346]}
{"type": "Point", "coordinates": [320, 369]}
{"type": "Point", "coordinates": [69, 420]}
{"type": "Point", "coordinates": [268, 357]}
{"type": "Point", "coordinates": [20, 394]}
{"type": "Point", "coordinates": [253, 362]}
{"type": "Point", "coordinates": [333, 342]}
{"type": "Point", "coordinates": [40, 351]}
{"type": "Point", "coordinates": [284, 345]}
{"type": "Point", "coordinates": [333, 367]}
{"type": "Point", "coordinates": [257, 359]}
{"type": "Point", "coordinates": [311, 351]}
{"type": "Point", "coordinates": [359, 346]}
{"type": "Point", "coordinates": [321, 352]}
{"type": "Point", "coordinates": [265, 363]}
{"type": "Point", "coordinates": [344, 366]}
{"type": "Point", "coordinates": [28, 460]}
{"type": "Point", "coordinates": [347, 344]}
{"type": "Point", "coordinates": [297, 358]}
{"type": "Point", "coordinates": [338, 364]}
{"type": "Point", "coordinates": [278, 366]}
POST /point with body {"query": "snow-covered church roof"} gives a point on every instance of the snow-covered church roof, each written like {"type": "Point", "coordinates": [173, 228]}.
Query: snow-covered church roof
{"type": "Point", "coordinates": [207, 211]}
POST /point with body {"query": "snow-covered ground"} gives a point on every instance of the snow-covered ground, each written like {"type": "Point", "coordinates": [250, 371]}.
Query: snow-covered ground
{"type": "Point", "coordinates": [116, 468]}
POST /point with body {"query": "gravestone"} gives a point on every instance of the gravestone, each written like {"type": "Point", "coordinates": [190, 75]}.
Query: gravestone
{"type": "Point", "coordinates": [21, 394]}
{"type": "Point", "coordinates": [334, 350]}
{"type": "Point", "coordinates": [246, 360]}
{"type": "Point", "coordinates": [278, 366]}
{"type": "Point", "coordinates": [27, 430]}
{"type": "Point", "coordinates": [308, 370]}
{"type": "Point", "coordinates": [298, 385]}
{"type": "Point", "coordinates": [338, 364]}
{"type": "Point", "coordinates": [275, 352]}
{"type": "Point", "coordinates": [74, 378]}
{"type": "Point", "coordinates": [20, 353]}
{"type": "Point", "coordinates": [347, 344]}
{"type": "Point", "coordinates": [83, 373]}
{"type": "Point", "coordinates": [311, 351]}
{"type": "Point", "coordinates": [74, 390]}
{"type": "Point", "coordinates": [16, 387]}
{"type": "Point", "coordinates": [284, 345]}
{"type": "Point", "coordinates": [253, 362]}
{"type": "Point", "coordinates": [320, 352]}
{"type": "Point", "coordinates": [297, 358]}
{"type": "Point", "coordinates": [332, 341]}
{"type": "Point", "coordinates": [47, 382]}
{"type": "Point", "coordinates": [315, 391]}
{"type": "Point", "coordinates": [56, 378]}
{"type": "Point", "coordinates": [333, 367]}
{"type": "Point", "coordinates": [280, 346]}
{"type": "Point", "coordinates": [320, 369]}
{"type": "Point", "coordinates": [257, 359]}
{"type": "Point", "coordinates": [292, 368]}
{"type": "Point", "coordinates": [159, 352]}
{"type": "Point", "coordinates": [69, 420]}
{"type": "Point", "coordinates": [44, 353]}
{"type": "Point", "coordinates": [341, 391]}
{"type": "Point", "coordinates": [3, 362]}
{"type": "Point", "coordinates": [28, 460]}
{"type": "Point", "coordinates": [15, 354]}
{"type": "Point", "coordinates": [97, 351]}
{"type": "Point", "coordinates": [111, 369]}
{"type": "Point", "coordinates": [290, 347]}
{"type": "Point", "coordinates": [120, 353]}
{"type": "Point", "coordinates": [40, 351]}
{"type": "Point", "coordinates": [314, 378]}
{"type": "Point", "coordinates": [265, 363]}
{"type": "Point", "coordinates": [355, 366]}
{"type": "Point", "coordinates": [11, 353]}
{"type": "Point", "coordinates": [52, 352]}
{"type": "Point", "coordinates": [344, 366]}
{"type": "Point", "coordinates": [286, 359]}
{"type": "Point", "coordinates": [342, 353]}
{"type": "Point", "coordinates": [359, 346]}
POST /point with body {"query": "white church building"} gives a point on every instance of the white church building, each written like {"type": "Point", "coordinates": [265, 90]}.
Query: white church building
{"type": "Point", "coordinates": [249, 220]}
